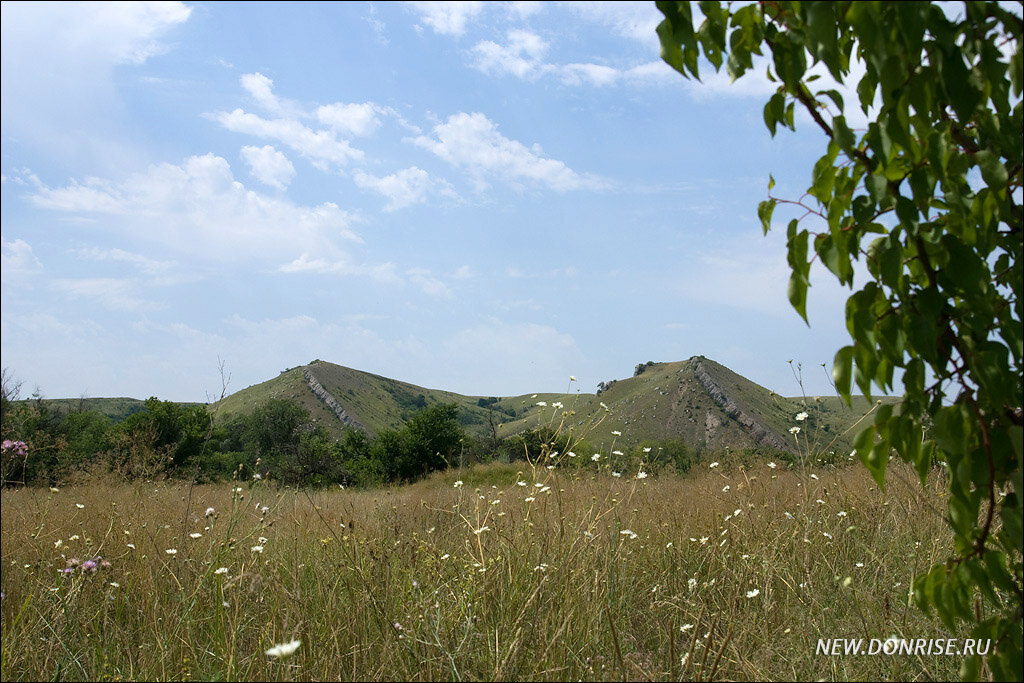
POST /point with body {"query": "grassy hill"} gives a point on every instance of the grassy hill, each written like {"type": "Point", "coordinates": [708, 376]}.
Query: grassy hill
{"type": "Point", "coordinates": [369, 402]}
{"type": "Point", "coordinates": [117, 409]}
{"type": "Point", "coordinates": [697, 400]}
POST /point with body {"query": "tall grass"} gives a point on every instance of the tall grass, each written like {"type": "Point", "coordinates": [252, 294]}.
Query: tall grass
{"type": "Point", "coordinates": [722, 574]}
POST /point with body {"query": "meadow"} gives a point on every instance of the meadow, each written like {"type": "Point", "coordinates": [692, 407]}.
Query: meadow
{"type": "Point", "coordinates": [495, 572]}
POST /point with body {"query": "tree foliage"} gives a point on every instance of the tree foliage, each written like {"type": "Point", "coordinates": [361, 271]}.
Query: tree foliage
{"type": "Point", "coordinates": [929, 195]}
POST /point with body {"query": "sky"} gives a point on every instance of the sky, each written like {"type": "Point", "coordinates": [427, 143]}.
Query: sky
{"type": "Point", "coordinates": [485, 198]}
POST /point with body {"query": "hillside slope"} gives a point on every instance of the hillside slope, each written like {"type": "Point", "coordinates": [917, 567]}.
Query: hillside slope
{"type": "Point", "coordinates": [339, 397]}
{"type": "Point", "coordinates": [698, 400]}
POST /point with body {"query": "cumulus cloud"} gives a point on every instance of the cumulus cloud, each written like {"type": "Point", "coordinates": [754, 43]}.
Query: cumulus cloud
{"type": "Point", "coordinates": [18, 261]}
{"type": "Point", "coordinates": [356, 119]}
{"type": "Point", "coordinates": [594, 74]}
{"type": "Point", "coordinates": [198, 208]}
{"type": "Point", "coordinates": [58, 62]}
{"type": "Point", "coordinates": [405, 188]}
{"type": "Point", "coordinates": [522, 56]}
{"type": "Point", "coordinates": [269, 166]}
{"type": "Point", "coordinates": [633, 20]}
{"type": "Point", "coordinates": [321, 146]}
{"type": "Point", "coordinates": [472, 141]}
{"type": "Point", "coordinates": [261, 89]}
{"type": "Point", "coordinates": [447, 18]}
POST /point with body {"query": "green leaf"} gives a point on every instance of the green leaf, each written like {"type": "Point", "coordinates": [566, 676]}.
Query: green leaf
{"type": "Point", "coordinates": [774, 111]}
{"type": "Point", "coordinates": [992, 170]}
{"type": "Point", "coordinates": [764, 212]}
{"type": "Point", "coordinates": [842, 372]}
{"type": "Point", "coordinates": [798, 295]}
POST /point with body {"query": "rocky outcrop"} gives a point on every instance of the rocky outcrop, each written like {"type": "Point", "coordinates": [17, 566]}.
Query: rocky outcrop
{"type": "Point", "coordinates": [329, 400]}
{"type": "Point", "coordinates": [758, 431]}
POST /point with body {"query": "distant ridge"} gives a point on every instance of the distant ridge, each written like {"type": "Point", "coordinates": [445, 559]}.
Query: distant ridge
{"type": "Point", "coordinates": [697, 400]}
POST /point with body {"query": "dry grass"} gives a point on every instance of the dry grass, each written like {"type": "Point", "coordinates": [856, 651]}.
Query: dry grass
{"type": "Point", "coordinates": [596, 578]}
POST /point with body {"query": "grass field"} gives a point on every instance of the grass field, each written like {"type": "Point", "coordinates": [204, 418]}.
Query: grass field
{"type": "Point", "coordinates": [515, 573]}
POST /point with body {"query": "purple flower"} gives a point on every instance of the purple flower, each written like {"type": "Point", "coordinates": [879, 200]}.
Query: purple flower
{"type": "Point", "coordinates": [19, 448]}
{"type": "Point", "coordinates": [89, 566]}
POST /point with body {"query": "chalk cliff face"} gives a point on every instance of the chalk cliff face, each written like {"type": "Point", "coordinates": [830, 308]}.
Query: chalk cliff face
{"type": "Point", "coordinates": [331, 402]}
{"type": "Point", "coordinates": [762, 434]}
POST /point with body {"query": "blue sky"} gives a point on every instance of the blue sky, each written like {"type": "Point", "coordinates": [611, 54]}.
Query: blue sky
{"type": "Point", "coordinates": [480, 197]}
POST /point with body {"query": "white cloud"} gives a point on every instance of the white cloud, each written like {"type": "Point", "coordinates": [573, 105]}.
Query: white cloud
{"type": "Point", "coordinates": [524, 8]}
{"type": "Point", "coordinates": [111, 32]}
{"type": "Point", "coordinates": [112, 293]}
{"type": "Point", "coordinates": [447, 18]}
{"type": "Point", "coordinates": [269, 166]}
{"type": "Point", "coordinates": [18, 261]}
{"type": "Point", "coordinates": [199, 208]}
{"type": "Point", "coordinates": [261, 89]}
{"type": "Point", "coordinates": [163, 273]}
{"type": "Point", "coordinates": [472, 141]}
{"type": "Point", "coordinates": [404, 188]}
{"type": "Point", "coordinates": [594, 74]}
{"type": "Point", "coordinates": [384, 272]}
{"type": "Point", "coordinates": [522, 57]}
{"type": "Point", "coordinates": [356, 119]}
{"type": "Point", "coordinates": [57, 79]}
{"type": "Point", "coordinates": [428, 284]}
{"type": "Point", "coordinates": [633, 20]}
{"type": "Point", "coordinates": [317, 146]}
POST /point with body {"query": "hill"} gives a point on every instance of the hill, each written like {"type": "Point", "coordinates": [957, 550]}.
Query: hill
{"type": "Point", "coordinates": [339, 397]}
{"type": "Point", "coordinates": [698, 400]}
{"type": "Point", "coordinates": [117, 409]}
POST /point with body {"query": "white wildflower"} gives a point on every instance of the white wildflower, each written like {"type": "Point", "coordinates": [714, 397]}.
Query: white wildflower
{"type": "Point", "coordinates": [713, 465]}
{"type": "Point", "coordinates": [800, 417]}
{"type": "Point", "coordinates": [171, 551]}
{"type": "Point", "coordinates": [641, 475]}
{"type": "Point", "coordinates": [754, 593]}
{"type": "Point", "coordinates": [627, 532]}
